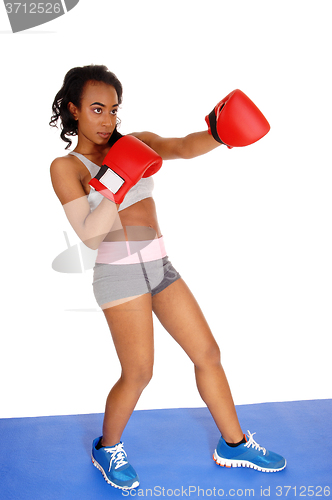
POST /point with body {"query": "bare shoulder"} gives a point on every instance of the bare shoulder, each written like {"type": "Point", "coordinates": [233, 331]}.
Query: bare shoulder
{"type": "Point", "coordinates": [66, 178]}
{"type": "Point", "coordinates": [64, 164]}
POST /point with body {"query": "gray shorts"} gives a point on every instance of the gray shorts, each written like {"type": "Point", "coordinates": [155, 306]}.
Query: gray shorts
{"type": "Point", "coordinates": [113, 282]}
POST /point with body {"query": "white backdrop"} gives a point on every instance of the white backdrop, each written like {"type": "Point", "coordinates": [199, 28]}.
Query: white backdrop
{"type": "Point", "coordinates": [253, 242]}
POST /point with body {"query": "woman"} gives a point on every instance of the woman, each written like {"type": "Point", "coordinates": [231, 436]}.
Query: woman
{"type": "Point", "coordinates": [129, 290]}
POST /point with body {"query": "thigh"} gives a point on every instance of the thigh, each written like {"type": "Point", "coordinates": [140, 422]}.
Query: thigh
{"type": "Point", "coordinates": [114, 284]}
{"type": "Point", "coordinates": [179, 313]}
{"type": "Point", "coordinates": [131, 326]}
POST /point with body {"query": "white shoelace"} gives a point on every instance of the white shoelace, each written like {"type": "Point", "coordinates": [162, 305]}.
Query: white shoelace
{"type": "Point", "coordinates": [118, 456]}
{"type": "Point", "coordinates": [253, 443]}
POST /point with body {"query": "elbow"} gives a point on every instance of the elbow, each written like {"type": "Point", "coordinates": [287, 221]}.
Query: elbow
{"type": "Point", "coordinates": [92, 245]}
{"type": "Point", "coordinates": [185, 150]}
{"type": "Point", "coordinates": [181, 151]}
{"type": "Point", "coordinates": [186, 155]}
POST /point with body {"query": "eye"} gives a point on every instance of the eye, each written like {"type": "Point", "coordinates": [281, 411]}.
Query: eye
{"type": "Point", "coordinates": [98, 111]}
{"type": "Point", "coordinates": [114, 111]}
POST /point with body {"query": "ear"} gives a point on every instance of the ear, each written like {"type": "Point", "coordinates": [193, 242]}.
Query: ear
{"type": "Point", "coordinates": [73, 110]}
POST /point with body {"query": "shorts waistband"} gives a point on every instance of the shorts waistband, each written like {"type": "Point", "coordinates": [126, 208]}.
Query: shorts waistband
{"type": "Point", "coordinates": [130, 252]}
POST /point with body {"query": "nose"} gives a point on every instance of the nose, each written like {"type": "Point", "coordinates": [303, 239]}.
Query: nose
{"type": "Point", "coordinates": [108, 119]}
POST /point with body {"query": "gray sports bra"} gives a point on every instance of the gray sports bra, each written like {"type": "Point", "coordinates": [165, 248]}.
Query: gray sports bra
{"type": "Point", "coordinates": [141, 190]}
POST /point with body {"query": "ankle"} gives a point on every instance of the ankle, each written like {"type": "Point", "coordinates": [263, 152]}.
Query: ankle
{"type": "Point", "coordinates": [106, 443]}
{"type": "Point", "coordinates": [234, 444]}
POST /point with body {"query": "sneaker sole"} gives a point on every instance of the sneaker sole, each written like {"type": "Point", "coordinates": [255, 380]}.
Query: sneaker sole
{"type": "Point", "coordinates": [99, 467]}
{"type": "Point", "coordinates": [224, 462]}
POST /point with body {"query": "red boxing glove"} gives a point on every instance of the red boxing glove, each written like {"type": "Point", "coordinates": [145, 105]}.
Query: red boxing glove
{"type": "Point", "coordinates": [236, 121]}
{"type": "Point", "coordinates": [128, 160]}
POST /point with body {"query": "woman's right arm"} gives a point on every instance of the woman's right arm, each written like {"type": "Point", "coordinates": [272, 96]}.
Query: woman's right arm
{"type": "Point", "coordinates": [91, 227]}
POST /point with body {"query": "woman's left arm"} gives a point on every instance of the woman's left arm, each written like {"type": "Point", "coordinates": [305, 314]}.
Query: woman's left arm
{"type": "Point", "coordinates": [196, 144]}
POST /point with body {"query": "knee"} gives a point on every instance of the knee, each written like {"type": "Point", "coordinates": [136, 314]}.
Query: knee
{"type": "Point", "coordinates": [210, 356]}
{"type": "Point", "coordinates": [138, 376]}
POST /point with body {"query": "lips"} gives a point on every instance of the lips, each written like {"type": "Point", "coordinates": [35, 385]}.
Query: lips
{"type": "Point", "coordinates": [104, 135]}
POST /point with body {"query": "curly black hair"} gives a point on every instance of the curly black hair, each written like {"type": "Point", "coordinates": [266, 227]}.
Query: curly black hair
{"type": "Point", "coordinates": [72, 90]}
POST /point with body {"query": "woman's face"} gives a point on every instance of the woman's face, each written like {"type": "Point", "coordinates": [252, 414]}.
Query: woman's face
{"type": "Point", "coordinates": [97, 115]}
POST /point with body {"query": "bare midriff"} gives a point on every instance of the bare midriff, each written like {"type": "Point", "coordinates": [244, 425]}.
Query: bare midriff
{"type": "Point", "coordinates": [136, 223]}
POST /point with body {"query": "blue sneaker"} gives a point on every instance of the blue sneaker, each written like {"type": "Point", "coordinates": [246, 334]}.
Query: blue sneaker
{"type": "Point", "coordinates": [114, 466]}
{"type": "Point", "coordinates": [248, 454]}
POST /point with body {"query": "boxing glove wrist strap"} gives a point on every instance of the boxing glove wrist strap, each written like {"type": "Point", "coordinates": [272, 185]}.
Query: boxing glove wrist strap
{"type": "Point", "coordinates": [106, 177]}
{"type": "Point", "coordinates": [213, 127]}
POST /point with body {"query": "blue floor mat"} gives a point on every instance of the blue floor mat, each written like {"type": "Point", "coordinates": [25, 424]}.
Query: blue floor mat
{"type": "Point", "coordinates": [48, 458]}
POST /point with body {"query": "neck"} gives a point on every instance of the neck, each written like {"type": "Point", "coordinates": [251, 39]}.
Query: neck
{"type": "Point", "coordinates": [88, 148]}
